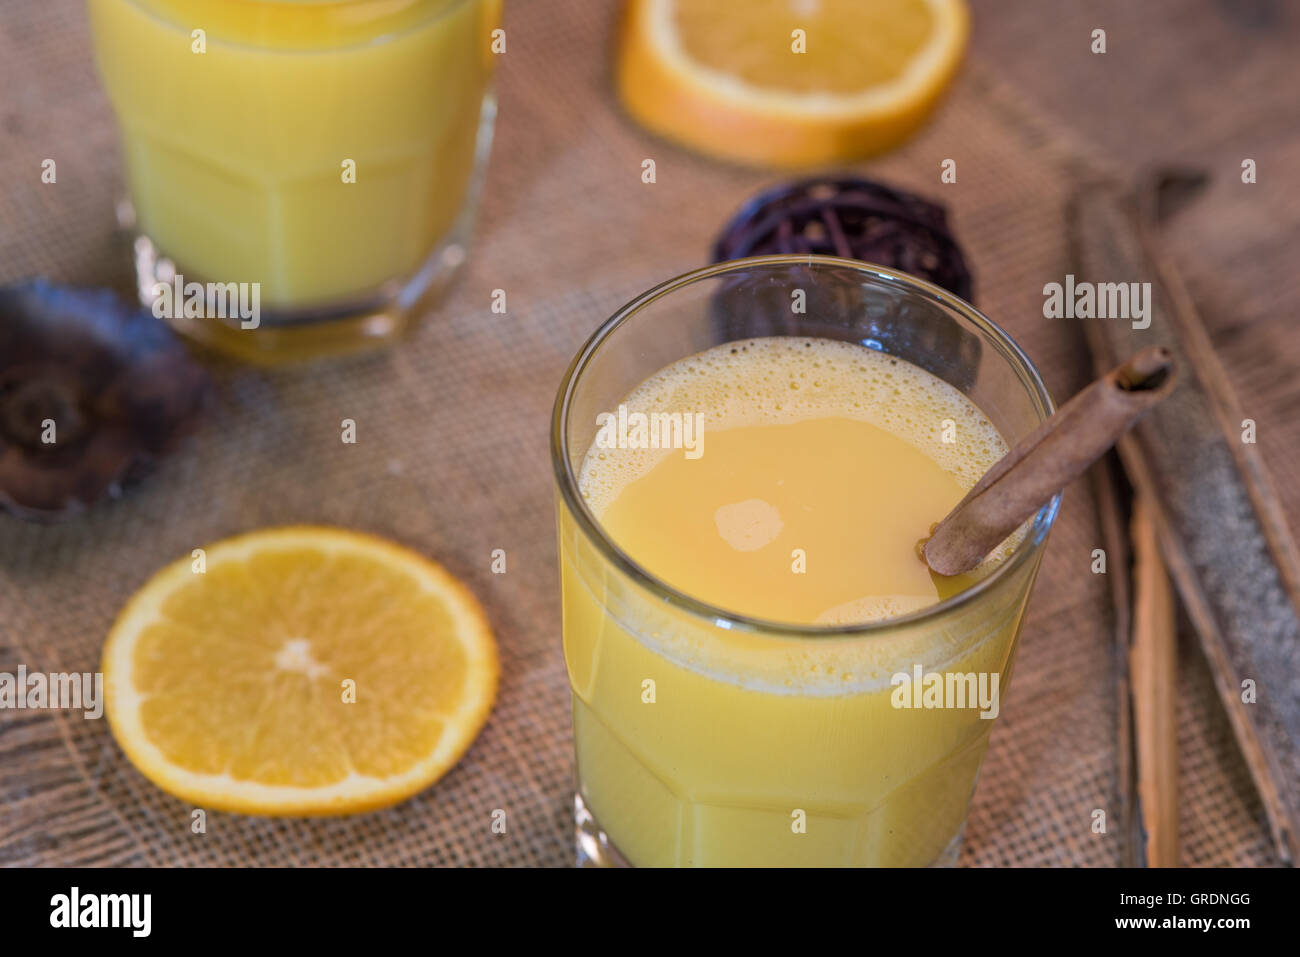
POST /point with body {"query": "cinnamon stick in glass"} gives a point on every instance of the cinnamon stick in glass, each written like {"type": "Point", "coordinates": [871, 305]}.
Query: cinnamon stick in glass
{"type": "Point", "coordinates": [1047, 460]}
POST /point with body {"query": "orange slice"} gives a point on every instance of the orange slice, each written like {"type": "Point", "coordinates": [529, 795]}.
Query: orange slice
{"type": "Point", "coordinates": [299, 671]}
{"type": "Point", "coordinates": [788, 82]}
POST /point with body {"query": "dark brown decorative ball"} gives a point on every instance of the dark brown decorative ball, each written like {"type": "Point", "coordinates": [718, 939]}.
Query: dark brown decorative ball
{"type": "Point", "coordinates": [853, 218]}
{"type": "Point", "coordinates": [92, 393]}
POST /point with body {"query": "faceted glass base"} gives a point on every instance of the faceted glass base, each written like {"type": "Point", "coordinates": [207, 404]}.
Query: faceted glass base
{"type": "Point", "coordinates": [595, 849]}
{"type": "Point", "coordinates": [294, 335]}
{"type": "Point", "coordinates": [593, 845]}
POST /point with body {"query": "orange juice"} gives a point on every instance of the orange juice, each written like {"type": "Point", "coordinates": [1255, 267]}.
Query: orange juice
{"type": "Point", "coordinates": [819, 466]}
{"type": "Point", "coordinates": [321, 148]}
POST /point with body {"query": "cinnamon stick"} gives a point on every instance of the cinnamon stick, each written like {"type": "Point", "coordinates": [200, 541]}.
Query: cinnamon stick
{"type": "Point", "coordinates": [1047, 460]}
{"type": "Point", "coordinates": [1153, 666]}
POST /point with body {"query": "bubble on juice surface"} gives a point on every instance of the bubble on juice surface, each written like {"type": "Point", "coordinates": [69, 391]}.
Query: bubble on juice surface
{"type": "Point", "coordinates": [749, 525]}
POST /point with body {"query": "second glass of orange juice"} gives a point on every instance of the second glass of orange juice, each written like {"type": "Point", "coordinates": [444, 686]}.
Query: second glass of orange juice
{"type": "Point", "coordinates": [326, 153]}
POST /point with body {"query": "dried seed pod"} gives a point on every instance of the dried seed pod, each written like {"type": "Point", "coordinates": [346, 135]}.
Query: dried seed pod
{"type": "Point", "coordinates": [92, 392]}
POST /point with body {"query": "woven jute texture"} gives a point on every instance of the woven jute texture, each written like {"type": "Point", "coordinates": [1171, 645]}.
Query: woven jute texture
{"type": "Point", "coordinates": [451, 459]}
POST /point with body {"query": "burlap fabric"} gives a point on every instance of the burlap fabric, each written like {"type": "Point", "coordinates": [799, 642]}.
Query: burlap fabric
{"type": "Point", "coordinates": [451, 459]}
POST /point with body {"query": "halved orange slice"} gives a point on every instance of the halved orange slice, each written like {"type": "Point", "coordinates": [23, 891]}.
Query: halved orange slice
{"type": "Point", "coordinates": [788, 82]}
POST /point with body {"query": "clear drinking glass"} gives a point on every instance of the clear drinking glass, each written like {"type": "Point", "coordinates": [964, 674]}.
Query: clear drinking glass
{"type": "Point", "coordinates": [714, 778]}
{"type": "Point", "coordinates": [324, 155]}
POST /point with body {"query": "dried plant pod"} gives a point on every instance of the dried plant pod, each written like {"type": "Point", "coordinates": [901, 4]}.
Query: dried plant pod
{"type": "Point", "coordinates": [92, 393]}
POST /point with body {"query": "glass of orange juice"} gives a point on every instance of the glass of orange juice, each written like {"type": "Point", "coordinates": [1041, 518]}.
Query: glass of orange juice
{"type": "Point", "coordinates": [302, 173]}
{"type": "Point", "coordinates": [763, 670]}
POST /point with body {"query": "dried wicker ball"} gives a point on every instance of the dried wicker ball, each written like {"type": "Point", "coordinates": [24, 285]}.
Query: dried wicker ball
{"type": "Point", "coordinates": [854, 218]}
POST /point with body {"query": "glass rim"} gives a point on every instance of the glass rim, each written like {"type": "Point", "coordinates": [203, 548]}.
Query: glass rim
{"type": "Point", "coordinates": [589, 524]}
